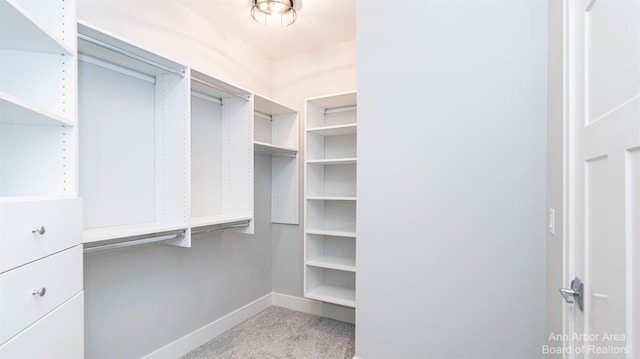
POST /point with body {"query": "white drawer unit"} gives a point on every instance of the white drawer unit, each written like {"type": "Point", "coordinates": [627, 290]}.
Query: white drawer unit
{"type": "Point", "coordinates": [32, 228]}
{"type": "Point", "coordinates": [60, 334]}
{"type": "Point", "coordinates": [30, 292]}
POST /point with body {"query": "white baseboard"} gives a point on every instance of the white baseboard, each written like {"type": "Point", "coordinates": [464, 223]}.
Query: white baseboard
{"type": "Point", "coordinates": [322, 309]}
{"type": "Point", "coordinates": [200, 336]}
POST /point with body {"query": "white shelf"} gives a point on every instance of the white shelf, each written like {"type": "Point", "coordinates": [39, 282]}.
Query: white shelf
{"type": "Point", "coordinates": [21, 31]}
{"type": "Point", "coordinates": [343, 99]}
{"type": "Point", "coordinates": [107, 233]}
{"type": "Point", "coordinates": [333, 294]}
{"type": "Point", "coordinates": [335, 161]}
{"type": "Point", "coordinates": [274, 150]}
{"type": "Point", "coordinates": [333, 262]}
{"type": "Point", "coordinates": [214, 220]}
{"type": "Point", "coordinates": [16, 111]}
{"type": "Point", "coordinates": [325, 232]}
{"type": "Point", "coordinates": [23, 199]}
{"type": "Point", "coordinates": [337, 130]}
{"type": "Point", "coordinates": [330, 198]}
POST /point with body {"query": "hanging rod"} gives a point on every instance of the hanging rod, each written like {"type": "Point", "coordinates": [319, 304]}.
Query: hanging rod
{"type": "Point", "coordinates": [130, 55]}
{"type": "Point", "coordinates": [206, 97]}
{"type": "Point", "coordinates": [218, 87]}
{"type": "Point", "coordinates": [135, 242]}
{"type": "Point", "coordinates": [262, 115]}
{"type": "Point", "coordinates": [338, 109]}
{"type": "Point", "coordinates": [115, 67]}
{"type": "Point", "coordinates": [221, 226]}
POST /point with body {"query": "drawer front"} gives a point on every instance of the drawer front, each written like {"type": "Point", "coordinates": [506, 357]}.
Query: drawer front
{"type": "Point", "coordinates": [58, 335]}
{"type": "Point", "coordinates": [19, 244]}
{"type": "Point", "coordinates": [54, 280]}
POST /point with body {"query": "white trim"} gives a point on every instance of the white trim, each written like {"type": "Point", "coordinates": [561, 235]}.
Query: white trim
{"type": "Point", "coordinates": [629, 253]}
{"type": "Point", "coordinates": [569, 161]}
{"type": "Point", "coordinates": [200, 336]}
{"type": "Point", "coordinates": [327, 310]}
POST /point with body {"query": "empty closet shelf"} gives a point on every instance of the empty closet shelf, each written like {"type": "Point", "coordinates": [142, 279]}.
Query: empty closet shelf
{"type": "Point", "coordinates": [33, 35]}
{"type": "Point", "coordinates": [325, 232]}
{"type": "Point", "coordinates": [333, 262]}
{"type": "Point", "coordinates": [16, 111]}
{"type": "Point", "coordinates": [335, 161]}
{"type": "Point", "coordinates": [334, 294]}
{"type": "Point", "coordinates": [274, 150]}
{"type": "Point", "coordinates": [337, 130]}
{"type": "Point", "coordinates": [331, 198]}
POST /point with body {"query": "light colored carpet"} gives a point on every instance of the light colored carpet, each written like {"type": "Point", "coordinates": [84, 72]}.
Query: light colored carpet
{"type": "Point", "coordinates": [282, 333]}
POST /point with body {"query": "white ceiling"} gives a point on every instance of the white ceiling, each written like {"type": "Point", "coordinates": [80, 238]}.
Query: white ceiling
{"type": "Point", "coordinates": [320, 23]}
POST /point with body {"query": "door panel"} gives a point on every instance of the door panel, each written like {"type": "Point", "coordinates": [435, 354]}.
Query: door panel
{"type": "Point", "coordinates": [604, 101]}
{"type": "Point", "coordinates": [605, 298]}
{"type": "Point", "coordinates": [612, 40]}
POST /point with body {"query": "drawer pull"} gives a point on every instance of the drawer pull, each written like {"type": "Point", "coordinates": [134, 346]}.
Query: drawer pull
{"type": "Point", "coordinates": [38, 230]}
{"type": "Point", "coordinates": [41, 292]}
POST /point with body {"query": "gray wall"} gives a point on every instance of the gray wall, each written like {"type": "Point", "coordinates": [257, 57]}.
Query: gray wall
{"type": "Point", "coordinates": [140, 299]}
{"type": "Point", "coordinates": [555, 134]}
{"type": "Point", "coordinates": [451, 179]}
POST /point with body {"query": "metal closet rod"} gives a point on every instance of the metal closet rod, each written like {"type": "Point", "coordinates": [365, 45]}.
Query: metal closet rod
{"type": "Point", "coordinates": [221, 226]}
{"type": "Point", "coordinates": [339, 109]}
{"type": "Point", "coordinates": [206, 97]}
{"type": "Point", "coordinates": [130, 55]}
{"type": "Point", "coordinates": [218, 87]}
{"type": "Point", "coordinates": [263, 115]}
{"type": "Point", "coordinates": [136, 242]}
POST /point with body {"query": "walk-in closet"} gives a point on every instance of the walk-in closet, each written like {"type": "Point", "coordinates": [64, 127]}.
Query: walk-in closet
{"type": "Point", "coordinates": [342, 179]}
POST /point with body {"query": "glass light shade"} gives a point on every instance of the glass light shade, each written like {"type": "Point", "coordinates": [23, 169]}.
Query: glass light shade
{"type": "Point", "coordinates": [274, 13]}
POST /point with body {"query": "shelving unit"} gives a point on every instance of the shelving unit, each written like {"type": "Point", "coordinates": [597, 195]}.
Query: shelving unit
{"type": "Point", "coordinates": [37, 99]}
{"type": "Point", "coordinates": [134, 139]}
{"type": "Point", "coordinates": [276, 130]}
{"type": "Point", "coordinates": [40, 234]}
{"type": "Point", "coordinates": [330, 198]}
{"type": "Point", "coordinates": [221, 154]}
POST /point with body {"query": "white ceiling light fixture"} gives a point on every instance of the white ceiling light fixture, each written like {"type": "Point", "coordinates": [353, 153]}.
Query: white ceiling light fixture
{"type": "Point", "coordinates": [275, 13]}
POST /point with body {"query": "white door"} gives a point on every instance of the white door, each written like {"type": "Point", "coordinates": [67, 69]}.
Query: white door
{"type": "Point", "coordinates": [603, 177]}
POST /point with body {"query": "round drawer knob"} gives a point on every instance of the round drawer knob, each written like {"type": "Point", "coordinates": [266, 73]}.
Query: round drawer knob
{"type": "Point", "coordinates": [38, 230]}
{"type": "Point", "coordinates": [41, 292]}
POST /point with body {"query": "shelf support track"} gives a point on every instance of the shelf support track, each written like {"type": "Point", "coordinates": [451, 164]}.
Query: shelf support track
{"type": "Point", "coordinates": [128, 242]}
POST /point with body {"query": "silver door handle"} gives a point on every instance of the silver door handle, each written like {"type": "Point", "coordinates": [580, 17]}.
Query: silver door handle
{"type": "Point", "coordinates": [41, 292]}
{"type": "Point", "coordinates": [575, 294]}
{"type": "Point", "coordinates": [38, 230]}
